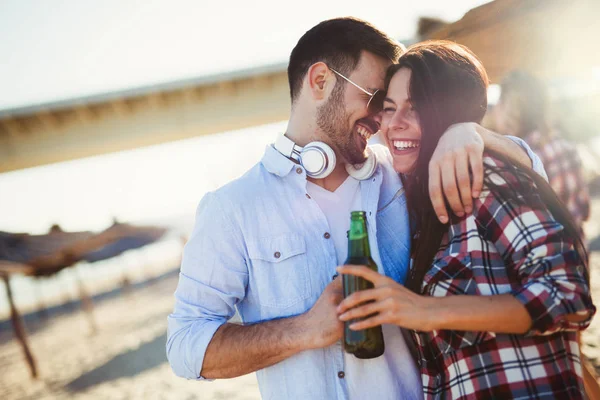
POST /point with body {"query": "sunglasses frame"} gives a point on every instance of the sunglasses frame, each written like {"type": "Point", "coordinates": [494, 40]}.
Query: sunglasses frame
{"type": "Point", "coordinates": [370, 104]}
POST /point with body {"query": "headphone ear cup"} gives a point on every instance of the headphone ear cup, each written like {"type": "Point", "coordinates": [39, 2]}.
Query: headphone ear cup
{"type": "Point", "coordinates": [318, 159]}
{"type": "Point", "coordinates": [365, 170]}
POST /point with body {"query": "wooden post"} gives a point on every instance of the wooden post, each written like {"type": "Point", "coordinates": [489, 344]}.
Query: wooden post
{"type": "Point", "coordinates": [42, 311]}
{"type": "Point", "coordinates": [19, 328]}
{"type": "Point", "coordinates": [86, 304]}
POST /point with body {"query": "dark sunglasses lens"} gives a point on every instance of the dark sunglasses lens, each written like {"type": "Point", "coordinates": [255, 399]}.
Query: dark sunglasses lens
{"type": "Point", "coordinates": [376, 103]}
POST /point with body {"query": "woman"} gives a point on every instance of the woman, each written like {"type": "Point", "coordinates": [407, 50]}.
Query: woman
{"type": "Point", "coordinates": [494, 299]}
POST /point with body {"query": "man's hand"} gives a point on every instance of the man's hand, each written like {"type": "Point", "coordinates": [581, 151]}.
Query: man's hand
{"type": "Point", "coordinates": [237, 350]}
{"type": "Point", "coordinates": [460, 148]}
{"type": "Point", "coordinates": [321, 320]}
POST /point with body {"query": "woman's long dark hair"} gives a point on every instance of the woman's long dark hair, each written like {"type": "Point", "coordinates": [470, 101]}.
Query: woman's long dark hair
{"type": "Point", "coordinates": [448, 85]}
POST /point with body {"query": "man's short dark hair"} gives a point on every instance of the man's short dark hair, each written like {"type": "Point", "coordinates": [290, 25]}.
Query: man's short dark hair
{"type": "Point", "coordinates": [339, 43]}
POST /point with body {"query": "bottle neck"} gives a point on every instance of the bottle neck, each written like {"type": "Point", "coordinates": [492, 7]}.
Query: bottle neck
{"type": "Point", "coordinates": [358, 238]}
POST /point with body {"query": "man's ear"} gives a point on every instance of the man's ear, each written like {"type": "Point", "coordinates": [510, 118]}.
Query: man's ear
{"type": "Point", "coordinates": [320, 80]}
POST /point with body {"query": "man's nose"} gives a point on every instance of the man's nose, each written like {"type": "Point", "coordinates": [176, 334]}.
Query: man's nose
{"type": "Point", "coordinates": [377, 118]}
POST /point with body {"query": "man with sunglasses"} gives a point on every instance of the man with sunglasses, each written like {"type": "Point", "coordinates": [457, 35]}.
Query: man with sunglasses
{"type": "Point", "coordinates": [268, 243]}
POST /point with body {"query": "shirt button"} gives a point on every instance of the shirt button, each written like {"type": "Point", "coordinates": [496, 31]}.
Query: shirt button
{"type": "Point", "coordinates": [298, 170]}
{"type": "Point", "coordinates": [307, 196]}
{"type": "Point", "coordinates": [277, 254]}
{"type": "Point", "coordinates": [341, 374]}
{"type": "Point", "coordinates": [326, 235]}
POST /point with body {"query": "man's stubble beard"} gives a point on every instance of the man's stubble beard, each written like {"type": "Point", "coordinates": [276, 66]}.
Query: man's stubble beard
{"type": "Point", "coordinates": [333, 120]}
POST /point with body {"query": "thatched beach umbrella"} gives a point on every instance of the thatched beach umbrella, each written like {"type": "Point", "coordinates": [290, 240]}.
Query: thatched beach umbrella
{"type": "Point", "coordinates": [45, 255]}
{"type": "Point", "coordinates": [129, 237]}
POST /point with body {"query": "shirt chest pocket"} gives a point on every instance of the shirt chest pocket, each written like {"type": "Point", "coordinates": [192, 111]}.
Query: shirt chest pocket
{"type": "Point", "coordinates": [279, 275]}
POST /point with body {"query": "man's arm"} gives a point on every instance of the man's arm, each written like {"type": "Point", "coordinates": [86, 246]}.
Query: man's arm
{"type": "Point", "coordinates": [200, 342]}
{"type": "Point", "coordinates": [504, 145]}
{"type": "Point", "coordinates": [459, 154]}
{"type": "Point", "coordinates": [238, 350]}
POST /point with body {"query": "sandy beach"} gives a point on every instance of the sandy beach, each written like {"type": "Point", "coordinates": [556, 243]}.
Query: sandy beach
{"type": "Point", "coordinates": [125, 358]}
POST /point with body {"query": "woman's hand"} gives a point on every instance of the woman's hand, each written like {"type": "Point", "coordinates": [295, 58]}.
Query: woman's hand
{"type": "Point", "coordinates": [388, 303]}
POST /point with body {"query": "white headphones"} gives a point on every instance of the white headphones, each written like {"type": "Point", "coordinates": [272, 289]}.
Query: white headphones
{"type": "Point", "coordinates": [318, 159]}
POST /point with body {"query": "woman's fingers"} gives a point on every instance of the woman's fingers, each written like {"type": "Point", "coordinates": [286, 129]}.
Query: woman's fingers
{"type": "Point", "coordinates": [362, 311]}
{"type": "Point", "coordinates": [359, 297]}
{"type": "Point", "coordinates": [364, 272]}
{"type": "Point", "coordinates": [370, 322]}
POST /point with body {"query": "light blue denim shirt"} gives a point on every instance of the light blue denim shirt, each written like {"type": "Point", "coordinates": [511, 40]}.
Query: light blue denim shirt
{"type": "Point", "coordinates": [260, 244]}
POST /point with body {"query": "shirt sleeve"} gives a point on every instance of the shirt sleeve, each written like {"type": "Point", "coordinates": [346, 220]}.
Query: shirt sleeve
{"type": "Point", "coordinates": [212, 280]}
{"type": "Point", "coordinates": [536, 162]}
{"type": "Point", "coordinates": [538, 255]}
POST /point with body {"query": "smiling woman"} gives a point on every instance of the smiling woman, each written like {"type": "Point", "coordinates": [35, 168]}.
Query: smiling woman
{"type": "Point", "coordinates": [495, 298]}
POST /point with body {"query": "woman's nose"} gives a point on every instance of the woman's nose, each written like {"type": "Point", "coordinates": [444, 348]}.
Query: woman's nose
{"type": "Point", "coordinates": [397, 122]}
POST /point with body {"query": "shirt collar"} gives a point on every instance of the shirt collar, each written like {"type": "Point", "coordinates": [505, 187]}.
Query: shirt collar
{"type": "Point", "coordinates": [276, 163]}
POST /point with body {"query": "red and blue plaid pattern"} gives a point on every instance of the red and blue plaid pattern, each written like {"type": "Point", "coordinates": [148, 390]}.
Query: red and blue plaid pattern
{"type": "Point", "coordinates": [507, 246]}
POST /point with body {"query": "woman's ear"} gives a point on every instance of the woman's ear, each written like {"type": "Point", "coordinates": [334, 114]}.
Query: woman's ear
{"type": "Point", "coordinates": [320, 80]}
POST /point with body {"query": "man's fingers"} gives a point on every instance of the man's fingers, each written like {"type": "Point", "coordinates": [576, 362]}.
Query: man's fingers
{"type": "Point", "coordinates": [476, 162]}
{"type": "Point", "coordinates": [450, 188]}
{"type": "Point", "coordinates": [435, 193]}
{"type": "Point", "coordinates": [336, 284]}
{"type": "Point", "coordinates": [464, 182]}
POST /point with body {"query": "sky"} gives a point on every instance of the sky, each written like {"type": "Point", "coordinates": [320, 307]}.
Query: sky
{"type": "Point", "coordinates": [70, 48]}
{"type": "Point", "coordinates": [62, 49]}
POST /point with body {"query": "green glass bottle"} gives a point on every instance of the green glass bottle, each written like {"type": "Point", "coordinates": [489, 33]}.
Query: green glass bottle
{"type": "Point", "coordinates": [366, 343]}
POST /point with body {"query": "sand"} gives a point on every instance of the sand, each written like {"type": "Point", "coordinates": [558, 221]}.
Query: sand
{"type": "Point", "coordinates": [125, 358]}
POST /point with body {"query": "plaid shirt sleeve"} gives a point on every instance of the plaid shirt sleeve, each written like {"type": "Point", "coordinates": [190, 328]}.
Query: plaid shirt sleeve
{"type": "Point", "coordinates": [537, 253]}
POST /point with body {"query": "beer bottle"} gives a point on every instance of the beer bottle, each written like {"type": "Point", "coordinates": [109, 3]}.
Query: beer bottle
{"type": "Point", "coordinates": [366, 343]}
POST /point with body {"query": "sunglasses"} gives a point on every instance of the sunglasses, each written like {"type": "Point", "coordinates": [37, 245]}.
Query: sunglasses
{"type": "Point", "coordinates": [375, 103]}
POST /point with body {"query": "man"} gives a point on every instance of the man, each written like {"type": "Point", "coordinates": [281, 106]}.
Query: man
{"type": "Point", "coordinates": [268, 243]}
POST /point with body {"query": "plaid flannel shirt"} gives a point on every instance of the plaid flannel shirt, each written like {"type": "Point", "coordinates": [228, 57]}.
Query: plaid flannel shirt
{"type": "Point", "coordinates": [515, 247]}
{"type": "Point", "coordinates": [565, 173]}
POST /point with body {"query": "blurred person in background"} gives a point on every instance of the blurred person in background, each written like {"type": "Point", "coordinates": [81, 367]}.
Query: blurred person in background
{"type": "Point", "coordinates": [523, 110]}
{"type": "Point", "coordinates": [268, 243]}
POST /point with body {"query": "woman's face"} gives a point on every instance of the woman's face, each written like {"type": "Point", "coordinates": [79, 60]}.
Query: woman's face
{"type": "Point", "coordinates": [400, 124]}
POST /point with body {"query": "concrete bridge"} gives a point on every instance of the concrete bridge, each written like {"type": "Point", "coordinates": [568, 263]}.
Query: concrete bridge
{"type": "Point", "coordinates": [554, 38]}
{"type": "Point", "coordinates": [88, 126]}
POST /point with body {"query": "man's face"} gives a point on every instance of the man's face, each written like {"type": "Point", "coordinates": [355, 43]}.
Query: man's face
{"type": "Point", "coordinates": [344, 118]}
{"type": "Point", "coordinates": [507, 116]}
